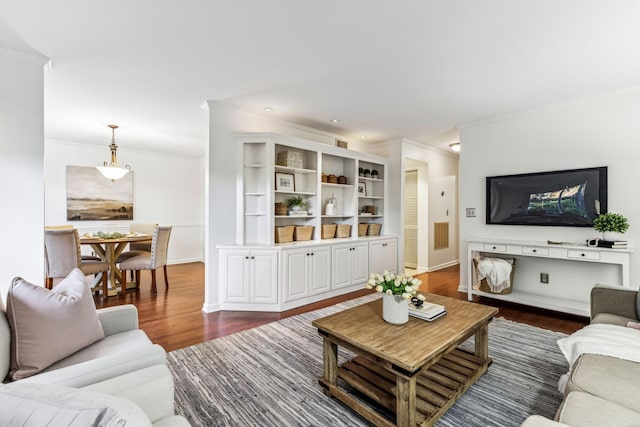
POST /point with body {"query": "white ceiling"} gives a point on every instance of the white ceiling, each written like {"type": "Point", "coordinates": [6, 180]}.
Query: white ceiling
{"type": "Point", "coordinates": [386, 69]}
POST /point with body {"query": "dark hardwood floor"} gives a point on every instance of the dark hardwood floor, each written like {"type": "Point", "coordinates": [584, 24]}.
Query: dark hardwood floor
{"type": "Point", "coordinates": [174, 318]}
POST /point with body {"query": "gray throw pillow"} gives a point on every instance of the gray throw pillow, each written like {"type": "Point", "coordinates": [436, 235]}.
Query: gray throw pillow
{"type": "Point", "coordinates": [49, 325]}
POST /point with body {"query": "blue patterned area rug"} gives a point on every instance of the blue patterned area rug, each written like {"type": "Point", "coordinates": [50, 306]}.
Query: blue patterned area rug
{"type": "Point", "coordinates": [268, 376]}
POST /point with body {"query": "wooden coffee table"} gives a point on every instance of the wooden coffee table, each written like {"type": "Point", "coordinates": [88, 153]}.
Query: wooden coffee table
{"type": "Point", "coordinates": [415, 371]}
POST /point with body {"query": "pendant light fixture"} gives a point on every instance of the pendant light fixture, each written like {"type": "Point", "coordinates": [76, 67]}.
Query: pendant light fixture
{"type": "Point", "coordinates": [112, 170]}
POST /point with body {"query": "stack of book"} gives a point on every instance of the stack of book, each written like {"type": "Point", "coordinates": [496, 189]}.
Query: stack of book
{"type": "Point", "coordinates": [427, 311]}
{"type": "Point", "coordinates": [618, 244]}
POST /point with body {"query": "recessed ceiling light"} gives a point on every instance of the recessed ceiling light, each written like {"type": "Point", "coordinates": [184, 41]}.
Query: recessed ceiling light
{"type": "Point", "coordinates": [335, 121]}
{"type": "Point", "coordinates": [363, 136]}
{"type": "Point", "coordinates": [267, 109]}
{"type": "Point", "coordinates": [455, 147]}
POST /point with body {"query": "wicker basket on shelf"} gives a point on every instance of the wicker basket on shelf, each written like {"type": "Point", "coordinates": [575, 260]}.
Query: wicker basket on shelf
{"type": "Point", "coordinates": [284, 234]}
{"type": "Point", "coordinates": [374, 229]}
{"type": "Point", "coordinates": [329, 231]}
{"type": "Point", "coordinates": [362, 229]}
{"type": "Point", "coordinates": [343, 230]}
{"type": "Point", "coordinates": [281, 209]}
{"type": "Point", "coordinates": [484, 286]}
{"type": "Point", "coordinates": [302, 233]}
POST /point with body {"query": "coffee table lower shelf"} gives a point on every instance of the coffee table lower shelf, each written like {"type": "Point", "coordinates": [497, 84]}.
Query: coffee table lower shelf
{"type": "Point", "coordinates": [437, 388]}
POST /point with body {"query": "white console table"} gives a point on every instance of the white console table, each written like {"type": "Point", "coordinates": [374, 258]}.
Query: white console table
{"type": "Point", "coordinates": [519, 249]}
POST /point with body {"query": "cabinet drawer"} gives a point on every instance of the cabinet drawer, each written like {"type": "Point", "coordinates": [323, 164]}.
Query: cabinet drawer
{"type": "Point", "coordinates": [583, 255]}
{"type": "Point", "coordinates": [495, 248]}
{"type": "Point", "coordinates": [532, 250]}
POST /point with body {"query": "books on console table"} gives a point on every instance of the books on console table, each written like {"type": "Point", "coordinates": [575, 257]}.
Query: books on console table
{"type": "Point", "coordinates": [618, 244]}
{"type": "Point", "coordinates": [427, 311]}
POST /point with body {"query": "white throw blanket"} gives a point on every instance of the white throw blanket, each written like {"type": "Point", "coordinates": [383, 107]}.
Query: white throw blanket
{"type": "Point", "coordinates": [496, 271]}
{"type": "Point", "coordinates": [608, 340]}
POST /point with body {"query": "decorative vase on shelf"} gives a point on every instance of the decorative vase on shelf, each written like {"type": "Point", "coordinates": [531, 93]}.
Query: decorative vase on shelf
{"type": "Point", "coordinates": [612, 236]}
{"type": "Point", "coordinates": [395, 309]}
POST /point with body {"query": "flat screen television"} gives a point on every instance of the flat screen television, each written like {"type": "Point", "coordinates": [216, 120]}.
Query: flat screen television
{"type": "Point", "coordinates": [571, 198]}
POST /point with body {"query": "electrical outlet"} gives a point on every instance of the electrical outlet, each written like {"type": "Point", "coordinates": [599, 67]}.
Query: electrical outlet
{"type": "Point", "coordinates": [544, 278]}
{"type": "Point", "coordinates": [471, 212]}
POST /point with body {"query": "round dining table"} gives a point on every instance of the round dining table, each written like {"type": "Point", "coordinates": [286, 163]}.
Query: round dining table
{"type": "Point", "coordinates": [109, 249]}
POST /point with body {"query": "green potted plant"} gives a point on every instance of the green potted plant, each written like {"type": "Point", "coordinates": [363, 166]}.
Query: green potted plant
{"type": "Point", "coordinates": [611, 225]}
{"type": "Point", "coordinates": [374, 173]}
{"type": "Point", "coordinates": [367, 173]}
{"type": "Point", "coordinates": [296, 204]}
{"type": "Point", "coordinates": [360, 171]}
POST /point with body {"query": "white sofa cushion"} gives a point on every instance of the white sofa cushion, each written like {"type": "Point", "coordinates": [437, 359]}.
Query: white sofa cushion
{"type": "Point", "coordinates": [36, 405]}
{"type": "Point", "coordinates": [47, 326]}
{"type": "Point", "coordinates": [106, 360]}
{"type": "Point", "coordinates": [150, 388]}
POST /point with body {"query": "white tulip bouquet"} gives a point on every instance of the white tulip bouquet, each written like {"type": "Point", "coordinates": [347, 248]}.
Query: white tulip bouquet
{"type": "Point", "coordinates": [392, 284]}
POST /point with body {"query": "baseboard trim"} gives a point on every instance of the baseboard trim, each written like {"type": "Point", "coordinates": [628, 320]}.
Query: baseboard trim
{"type": "Point", "coordinates": [445, 265]}
{"type": "Point", "coordinates": [210, 308]}
{"type": "Point", "coordinates": [185, 260]}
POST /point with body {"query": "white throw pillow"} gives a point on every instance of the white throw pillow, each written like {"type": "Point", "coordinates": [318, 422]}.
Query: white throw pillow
{"type": "Point", "coordinates": [36, 405]}
{"type": "Point", "coordinates": [49, 325]}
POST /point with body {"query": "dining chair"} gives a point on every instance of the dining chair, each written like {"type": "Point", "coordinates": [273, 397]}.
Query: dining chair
{"type": "Point", "coordinates": [67, 227]}
{"type": "Point", "coordinates": [138, 248]}
{"type": "Point", "coordinates": [149, 261]}
{"type": "Point", "coordinates": [62, 254]}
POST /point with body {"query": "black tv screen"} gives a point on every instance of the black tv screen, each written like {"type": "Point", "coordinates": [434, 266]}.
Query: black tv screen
{"type": "Point", "coordinates": [563, 198]}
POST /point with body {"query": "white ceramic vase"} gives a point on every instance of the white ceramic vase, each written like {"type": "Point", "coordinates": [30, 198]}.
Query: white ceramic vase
{"type": "Point", "coordinates": [612, 236]}
{"type": "Point", "coordinates": [395, 309]}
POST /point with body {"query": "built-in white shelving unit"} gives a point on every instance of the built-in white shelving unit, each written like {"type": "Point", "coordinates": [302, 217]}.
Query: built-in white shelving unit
{"type": "Point", "coordinates": [259, 274]}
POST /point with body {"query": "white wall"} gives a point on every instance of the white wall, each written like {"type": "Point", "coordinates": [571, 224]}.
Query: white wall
{"type": "Point", "coordinates": [168, 189]}
{"type": "Point", "coordinates": [442, 176]}
{"type": "Point", "coordinates": [594, 131]}
{"type": "Point", "coordinates": [21, 159]}
{"type": "Point", "coordinates": [223, 178]}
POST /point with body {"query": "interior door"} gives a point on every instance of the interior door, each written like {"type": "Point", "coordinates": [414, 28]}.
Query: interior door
{"type": "Point", "coordinates": [411, 219]}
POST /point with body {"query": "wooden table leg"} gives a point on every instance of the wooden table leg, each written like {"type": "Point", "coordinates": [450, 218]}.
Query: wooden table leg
{"type": "Point", "coordinates": [330, 362]}
{"type": "Point", "coordinates": [482, 342]}
{"type": "Point", "coordinates": [405, 401]}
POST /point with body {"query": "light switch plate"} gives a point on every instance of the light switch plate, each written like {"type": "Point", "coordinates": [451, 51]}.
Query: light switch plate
{"type": "Point", "coordinates": [471, 212]}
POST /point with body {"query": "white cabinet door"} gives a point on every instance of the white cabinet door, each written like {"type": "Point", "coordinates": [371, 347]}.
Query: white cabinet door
{"type": "Point", "coordinates": [384, 256]}
{"type": "Point", "coordinates": [235, 275]}
{"type": "Point", "coordinates": [376, 257]}
{"type": "Point", "coordinates": [249, 276]}
{"type": "Point", "coordinates": [390, 255]}
{"type": "Point", "coordinates": [264, 278]}
{"type": "Point", "coordinates": [341, 266]}
{"type": "Point", "coordinates": [319, 263]}
{"type": "Point", "coordinates": [360, 263]}
{"type": "Point", "coordinates": [350, 264]}
{"type": "Point", "coordinates": [295, 273]}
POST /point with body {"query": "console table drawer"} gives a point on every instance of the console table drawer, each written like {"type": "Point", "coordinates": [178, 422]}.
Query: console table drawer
{"type": "Point", "coordinates": [535, 251]}
{"type": "Point", "coordinates": [495, 248]}
{"type": "Point", "coordinates": [583, 255]}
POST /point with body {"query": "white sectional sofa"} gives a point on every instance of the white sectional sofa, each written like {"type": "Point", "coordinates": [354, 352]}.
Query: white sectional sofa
{"type": "Point", "coordinates": [123, 368]}
{"type": "Point", "coordinates": [601, 389]}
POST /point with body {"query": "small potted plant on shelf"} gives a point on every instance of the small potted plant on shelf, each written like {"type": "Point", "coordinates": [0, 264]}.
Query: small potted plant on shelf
{"type": "Point", "coordinates": [360, 171]}
{"type": "Point", "coordinates": [611, 225]}
{"type": "Point", "coordinates": [374, 174]}
{"type": "Point", "coordinates": [367, 173]}
{"type": "Point", "coordinates": [296, 205]}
